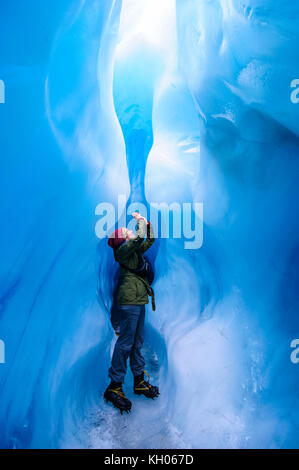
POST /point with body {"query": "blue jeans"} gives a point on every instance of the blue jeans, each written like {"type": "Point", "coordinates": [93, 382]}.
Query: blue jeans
{"type": "Point", "coordinates": [129, 343]}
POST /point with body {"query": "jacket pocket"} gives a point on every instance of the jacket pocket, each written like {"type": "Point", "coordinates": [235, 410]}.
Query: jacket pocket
{"type": "Point", "coordinates": [141, 290]}
{"type": "Point", "coordinates": [138, 289]}
{"type": "Point", "coordinates": [127, 291]}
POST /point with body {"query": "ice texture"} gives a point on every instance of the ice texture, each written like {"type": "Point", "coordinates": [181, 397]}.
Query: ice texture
{"type": "Point", "coordinates": [160, 101]}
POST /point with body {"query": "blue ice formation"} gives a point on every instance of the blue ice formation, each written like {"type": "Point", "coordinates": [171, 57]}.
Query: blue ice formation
{"type": "Point", "coordinates": [174, 101]}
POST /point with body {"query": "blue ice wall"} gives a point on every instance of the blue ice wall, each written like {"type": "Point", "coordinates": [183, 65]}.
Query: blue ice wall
{"type": "Point", "coordinates": [55, 64]}
{"type": "Point", "coordinates": [93, 110]}
{"type": "Point", "coordinates": [239, 59]}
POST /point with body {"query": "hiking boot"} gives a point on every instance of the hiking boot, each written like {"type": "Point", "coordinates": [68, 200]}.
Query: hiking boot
{"type": "Point", "coordinates": [143, 387]}
{"type": "Point", "coordinates": [115, 394]}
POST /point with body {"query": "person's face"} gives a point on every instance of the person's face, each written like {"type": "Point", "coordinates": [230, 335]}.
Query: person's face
{"type": "Point", "coordinates": [130, 235]}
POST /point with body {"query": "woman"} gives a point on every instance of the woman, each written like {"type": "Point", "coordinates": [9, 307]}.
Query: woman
{"type": "Point", "coordinates": [132, 295]}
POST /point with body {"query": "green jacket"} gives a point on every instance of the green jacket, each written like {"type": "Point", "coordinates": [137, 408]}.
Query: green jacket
{"type": "Point", "coordinates": [132, 290]}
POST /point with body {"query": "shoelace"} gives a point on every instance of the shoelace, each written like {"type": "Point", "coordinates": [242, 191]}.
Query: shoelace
{"type": "Point", "coordinates": [118, 391]}
{"type": "Point", "coordinates": [145, 382]}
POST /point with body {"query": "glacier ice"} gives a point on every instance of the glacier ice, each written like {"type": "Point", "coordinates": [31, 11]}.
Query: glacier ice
{"type": "Point", "coordinates": [185, 101]}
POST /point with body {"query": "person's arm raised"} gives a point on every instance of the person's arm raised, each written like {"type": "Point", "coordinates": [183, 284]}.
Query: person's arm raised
{"type": "Point", "coordinates": [150, 238]}
{"type": "Point", "coordinates": [130, 246]}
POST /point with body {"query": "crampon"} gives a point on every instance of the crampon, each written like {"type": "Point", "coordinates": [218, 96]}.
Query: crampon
{"type": "Point", "coordinates": [143, 387]}
{"type": "Point", "coordinates": [114, 393]}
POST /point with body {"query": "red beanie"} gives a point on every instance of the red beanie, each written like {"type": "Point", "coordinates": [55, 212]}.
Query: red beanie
{"type": "Point", "coordinates": [116, 238]}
